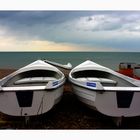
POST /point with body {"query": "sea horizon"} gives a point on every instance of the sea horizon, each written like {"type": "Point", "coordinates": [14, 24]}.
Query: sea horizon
{"type": "Point", "coordinates": [17, 59]}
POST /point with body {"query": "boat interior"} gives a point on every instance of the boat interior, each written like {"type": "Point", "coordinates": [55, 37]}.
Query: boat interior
{"type": "Point", "coordinates": [33, 78]}
{"type": "Point", "coordinates": [105, 78]}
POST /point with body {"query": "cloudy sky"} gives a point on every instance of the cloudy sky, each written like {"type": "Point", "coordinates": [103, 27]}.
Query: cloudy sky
{"type": "Point", "coordinates": [70, 31]}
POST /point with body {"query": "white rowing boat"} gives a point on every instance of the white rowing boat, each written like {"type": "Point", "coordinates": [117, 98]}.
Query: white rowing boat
{"type": "Point", "coordinates": [64, 68]}
{"type": "Point", "coordinates": [105, 90]}
{"type": "Point", "coordinates": [31, 90]}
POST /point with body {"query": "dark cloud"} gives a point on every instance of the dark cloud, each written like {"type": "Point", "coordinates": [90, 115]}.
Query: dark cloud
{"type": "Point", "coordinates": [35, 17]}
{"type": "Point", "coordinates": [23, 20]}
{"type": "Point", "coordinates": [74, 26]}
{"type": "Point", "coordinates": [36, 23]}
{"type": "Point", "coordinates": [11, 18]}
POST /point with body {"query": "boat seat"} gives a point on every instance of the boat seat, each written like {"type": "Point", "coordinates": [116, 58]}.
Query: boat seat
{"type": "Point", "coordinates": [101, 80]}
{"type": "Point", "coordinates": [34, 80]}
{"type": "Point", "coordinates": [82, 79]}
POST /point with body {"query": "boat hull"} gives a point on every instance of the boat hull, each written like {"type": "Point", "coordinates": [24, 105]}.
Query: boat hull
{"type": "Point", "coordinates": [35, 103]}
{"type": "Point", "coordinates": [110, 103]}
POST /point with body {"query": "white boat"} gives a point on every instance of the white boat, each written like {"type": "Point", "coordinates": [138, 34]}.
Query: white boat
{"type": "Point", "coordinates": [67, 66]}
{"type": "Point", "coordinates": [64, 68]}
{"type": "Point", "coordinates": [31, 90]}
{"type": "Point", "coordinates": [105, 90]}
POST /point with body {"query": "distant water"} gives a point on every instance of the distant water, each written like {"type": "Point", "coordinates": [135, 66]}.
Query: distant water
{"type": "Point", "coordinates": [108, 59]}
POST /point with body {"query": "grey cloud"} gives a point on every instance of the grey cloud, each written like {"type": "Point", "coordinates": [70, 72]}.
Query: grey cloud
{"type": "Point", "coordinates": [36, 17]}
{"type": "Point", "coordinates": [61, 26]}
{"type": "Point", "coordinates": [27, 21]}
{"type": "Point", "coordinates": [32, 24]}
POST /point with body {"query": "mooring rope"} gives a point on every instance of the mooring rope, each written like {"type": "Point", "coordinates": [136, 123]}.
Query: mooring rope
{"type": "Point", "coordinates": [41, 105]}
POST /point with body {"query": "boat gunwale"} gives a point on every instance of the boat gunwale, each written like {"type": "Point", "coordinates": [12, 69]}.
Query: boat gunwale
{"type": "Point", "coordinates": [42, 88]}
{"type": "Point", "coordinates": [100, 68]}
{"type": "Point", "coordinates": [33, 66]}
{"type": "Point", "coordinates": [108, 89]}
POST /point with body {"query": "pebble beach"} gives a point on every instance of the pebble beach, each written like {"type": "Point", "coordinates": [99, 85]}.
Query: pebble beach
{"type": "Point", "coordinates": [69, 113]}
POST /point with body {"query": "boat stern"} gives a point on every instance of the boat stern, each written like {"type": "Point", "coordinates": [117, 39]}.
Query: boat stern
{"type": "Point", "coordinates": [118, 104]}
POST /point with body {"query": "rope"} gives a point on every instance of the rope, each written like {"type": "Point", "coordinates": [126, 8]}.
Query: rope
{"type": "Point", "coordinates": [41, 105]}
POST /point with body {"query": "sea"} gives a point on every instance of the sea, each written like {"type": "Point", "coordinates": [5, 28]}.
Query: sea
{"type": "Point", "coordinates": [15, 60]}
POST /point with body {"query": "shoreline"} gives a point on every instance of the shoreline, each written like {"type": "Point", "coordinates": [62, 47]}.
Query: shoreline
{"type": "Point", "coordinates": [5, 71]}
